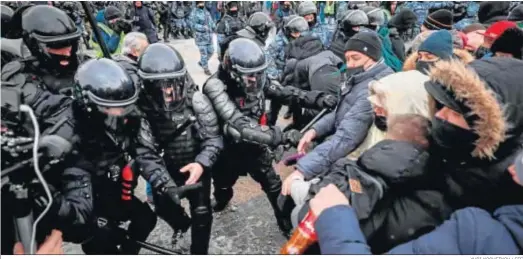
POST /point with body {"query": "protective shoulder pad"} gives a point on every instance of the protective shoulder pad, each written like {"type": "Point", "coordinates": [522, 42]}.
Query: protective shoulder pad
{"type": "Point", "coordinates": [10, 69]}
{"type": "Point", "coordinates": [213, 87]}
{"type": "Point", "coordinates": [201, 104]}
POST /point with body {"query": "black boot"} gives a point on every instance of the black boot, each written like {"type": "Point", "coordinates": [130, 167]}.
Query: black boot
{"type": "Point", "coordinates": [282, 206]}
{"type": "Point", "coordinates": [222, 197]}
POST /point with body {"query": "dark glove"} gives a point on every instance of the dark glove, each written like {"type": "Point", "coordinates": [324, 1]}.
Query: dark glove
{"type": "Point", "coordinates": [124, 26]}
{"type": "Point", "coordinates": [169, 189]}
{"type": "Point", "coordinates": [292, 137]}
{"type": "Point", "coordinates": [327, 101]}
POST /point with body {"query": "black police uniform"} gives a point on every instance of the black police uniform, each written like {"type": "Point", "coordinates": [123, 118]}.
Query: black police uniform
{"type": "Point", "coordinates": [161, 66]}
{"type": "Point", "coordinates": [107, 143]}
{"type": "Point", "coordinates": [241, 111]}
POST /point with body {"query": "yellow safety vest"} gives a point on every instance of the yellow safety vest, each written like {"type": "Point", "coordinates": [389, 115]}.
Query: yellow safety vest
{"type": "Point", "coordinates": [329, 8]}
{"type": "Point", "coordinates": [96, 46]}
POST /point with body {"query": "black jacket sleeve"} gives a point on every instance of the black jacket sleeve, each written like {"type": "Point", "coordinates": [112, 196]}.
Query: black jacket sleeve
{"type": "Point", "coordinates": [148, 161]}
{"type": "Point", "coordinates": [292, 95]}
{"type": "Point", "coordinates": [208, 129]}
{"type": "Point", "coordinates": [238, 126]}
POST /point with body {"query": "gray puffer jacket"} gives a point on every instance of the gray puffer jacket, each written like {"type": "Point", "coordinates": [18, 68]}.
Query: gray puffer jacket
{"type": "Point", "coordinates": [349, 123]}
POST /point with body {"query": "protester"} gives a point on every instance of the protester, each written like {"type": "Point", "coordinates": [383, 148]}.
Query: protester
{"type": "Point", "coordinates": [509, 44]}
{"type": "Point", "coordinates": [144, 21]}
{"type": "Point", "coordinates": [353, 116]}
{"type": "Point", "coordinates": [113, 30]}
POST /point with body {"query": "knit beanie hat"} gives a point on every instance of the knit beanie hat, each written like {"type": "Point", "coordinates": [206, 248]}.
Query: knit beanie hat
{"type": "Point", "coordinates": [439, 44]}
{"type": "Point", "coordinates": [516, 14]}
{"type": "Point", "coordinates": [511, 41]}
{"type": "Point", "coordinates": [439, 20]}
{"type": "Point", "coordinates": [493, 11]}
{"type": "Point", "coordinates": [367, 43]}
{"type": "Point", "coordinates": [420, 39]}
{"type": "Point", "coordinates": [474, 27]}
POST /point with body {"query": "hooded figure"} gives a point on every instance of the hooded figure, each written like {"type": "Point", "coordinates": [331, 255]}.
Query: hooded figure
{"type": "Point", "coordinates": [493, 11]}
{"type": "Point", "coordinates": [399, 93]}
{"type": "Point", "coordinates": [487, 99]}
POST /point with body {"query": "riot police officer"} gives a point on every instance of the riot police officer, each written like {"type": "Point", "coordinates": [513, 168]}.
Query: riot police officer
{"type": "Point", "coordinates": [169, 99]}
{"type": "Point", "coordinates": [53, 43]}
{"type": "Point", "coordinates": [230, 22]}
{"type": "Point", "coordinates": [258, 28]}
{"type": "Point", "coordinates": [238, 92]}
{"type": "Point", "coordinates": [111, 131]}
{"type": "Point", "coordinates": [351, 23]}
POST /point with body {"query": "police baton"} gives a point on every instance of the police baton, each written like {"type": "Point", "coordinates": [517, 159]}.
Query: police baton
{"type": "Point", "coordinates": [96, 30]}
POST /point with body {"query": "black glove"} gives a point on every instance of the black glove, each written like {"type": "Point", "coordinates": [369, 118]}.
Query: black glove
{"type": "Point", "coordinates": [327, 101]}
{"type": "Point", "coordinates": [292, 137]}
{"type": "Point", "coordinates": [123, 26]}
{"type": "Point", "coordinates": [169, 189]}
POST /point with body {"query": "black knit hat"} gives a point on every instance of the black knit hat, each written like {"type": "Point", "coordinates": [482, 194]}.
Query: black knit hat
{"type": "Point", "coordinates": [493, 11]}
{"type": "Point", "coordinates": [439, 20]}
{"type": "Point", "coordinates": [510, 41]}
{"type": "Point", "coordinates": [367, 43]}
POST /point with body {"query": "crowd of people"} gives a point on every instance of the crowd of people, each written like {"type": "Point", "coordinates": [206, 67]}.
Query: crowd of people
{"type": "Point", "coordinates": [406, 117]}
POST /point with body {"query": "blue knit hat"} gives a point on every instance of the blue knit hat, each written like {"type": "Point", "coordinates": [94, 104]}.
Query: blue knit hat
{"type": "Point", "coordinates": [439, 44]}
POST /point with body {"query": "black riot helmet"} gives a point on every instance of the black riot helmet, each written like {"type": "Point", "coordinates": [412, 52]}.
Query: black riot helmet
{"type": "Point", "coordinates": [261, 24]}
{"type": "Point", "coordinates": [294, 23]}
{"type": "Point", "coordinates": [307, 8]}
{"type": "Point", "coordinates": [104, 90]}
{"type": "Point", "coordinates": [352, 21]}
{"type": "Point", "coordinates": [7, 15]}
{"type": "Point", "coordinates": [231, 8]}
{"type": "Point", "coordinates": [244, 61]}
{"type": "Point", "coordinates": [51, 36]}
{"type": "Point", "coordinates": [164, 75]}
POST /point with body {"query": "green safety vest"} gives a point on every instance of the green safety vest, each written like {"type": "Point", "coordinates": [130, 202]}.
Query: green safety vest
{"type": "Point", "coordinates": [329, 9]}
{"type": "Point", "coordinates": [96, 46]}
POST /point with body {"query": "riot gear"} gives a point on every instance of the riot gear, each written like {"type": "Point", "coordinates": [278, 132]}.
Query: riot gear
{"type": "Point", "coordinates": [293, 24]}
{"type": "Point", "coordinates": [106, 92]}
{"type": "Point", "coordinates": [164, 73]}
{"type": "Point", "coordinates": [353, 19]}
{"type": "Point", "coordinates": [306, 8]}
{"type": "Point", "coordinates": [261, 24]}
{"type": "Point", "coordinates": [375, 15]}
{"type": "Point", "coordinates": [46, 30]}
{"type": "Point", "coordinates": [229, 8]}
{"type": "Point", "coordinates": [245, 61]}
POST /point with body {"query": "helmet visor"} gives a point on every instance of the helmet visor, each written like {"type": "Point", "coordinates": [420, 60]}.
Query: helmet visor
{"type": "Point", "coordinates": [167, 93]}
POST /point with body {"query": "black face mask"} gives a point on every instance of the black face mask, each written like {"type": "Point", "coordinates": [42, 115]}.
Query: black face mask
{"type": "Point", "coordinates": [233, 13]}
{"type": "Point", "coordinates": [481, 51]}
{"type": "Point", "coordinates": [380, 122]}
{"type": "Point", "coordinates": [352, 71]}
{"type": "Point", "coordinates": [450, 137]}
{"type": "Point", "coordinates": [286, 8]}
{"type": "Point", "coordinates": [424, 66]}
{"type": "Point", "coordinates": [201, 6]}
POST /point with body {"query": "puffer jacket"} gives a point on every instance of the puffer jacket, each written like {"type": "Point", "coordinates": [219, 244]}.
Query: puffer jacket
{"type": "Point", "coordinates": [349, 123]}
{"type": "Point", "coordinates": [468, 231]}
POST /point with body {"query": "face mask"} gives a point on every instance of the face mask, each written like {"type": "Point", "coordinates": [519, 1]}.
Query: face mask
{"type": "Point", "coordinates": [233, 13]}
{"type": "Point", "coordinates": [352, 71]}
{"type": "Point", "coordinates": [286, 7]}
{"type": "Point", "coordinates": [481, 51]}
{"type": "Point", "coordinates": [424, 66]}
{"type": "Point", "coordinates": [380, 122]}
{"type": "Point", "coordinates": [444, 134]}
{"type": "Point", "coordinates": [201, 6]}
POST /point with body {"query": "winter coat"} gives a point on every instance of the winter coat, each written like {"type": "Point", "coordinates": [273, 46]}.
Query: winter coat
{"type": "Point", "coordinates": [453, 180]}
{"type": "Point", "coordinates": [390, 165]}
{"type": "Point", "coordinates": [398, 93]}
{"type": "Point", "coordinates": [349, 123]}
{"type": "Point", "coordinates": [311, 68]}
{"type": "Point", "coordinates": [388, 54]}
{"type": "Point", "coordinates": [397, 44]}
{"type": "Point", "coordinates": [468, 231]}
{"type": "Point", "coordinates": [481, 179]}
{"type": "Point", "coordinates": [143, 21]}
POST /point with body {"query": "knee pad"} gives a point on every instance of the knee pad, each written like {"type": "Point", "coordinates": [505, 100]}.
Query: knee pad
{"type": "Point", "coordinates": [202, 216]}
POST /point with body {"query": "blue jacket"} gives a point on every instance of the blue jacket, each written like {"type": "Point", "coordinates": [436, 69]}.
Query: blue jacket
{"type": "Point", "coordinates": [349, 123]}
{"type": "Point", "coordinates": [468, 231]}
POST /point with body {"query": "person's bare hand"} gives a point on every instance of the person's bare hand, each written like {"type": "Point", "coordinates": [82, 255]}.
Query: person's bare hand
{"type": "Point", "coordinates": [51, 246]}
{"type": "Point", "coordinates": [306, 140]}
{"type": "Point", "coordinates": [195, 172]}
{"type": "Point", "coordinates": [286, 186]}
{"type": "Point", "coordinates": [327, 197]}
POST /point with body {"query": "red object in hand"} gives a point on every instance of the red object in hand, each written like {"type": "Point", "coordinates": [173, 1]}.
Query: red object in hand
{"type": "Point", "coordinates": [263, 119]}
{"type": "Point", "coordinates": [303, 237]}
{"type": "Point", "coordinates": [127, 183]}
